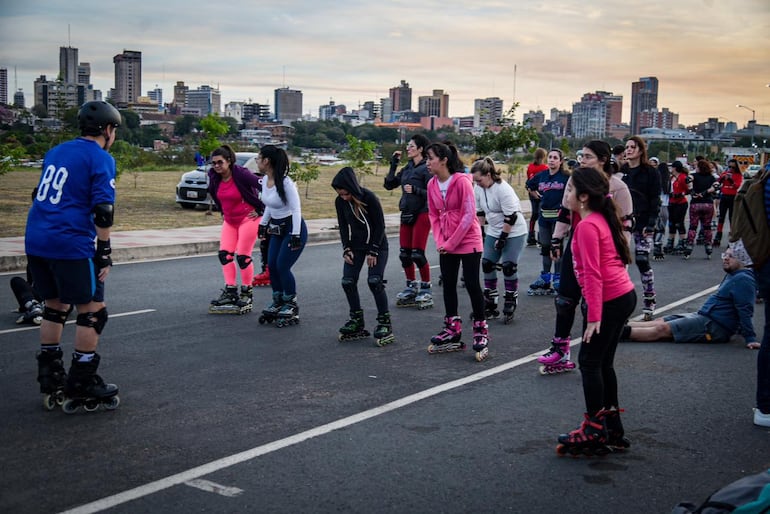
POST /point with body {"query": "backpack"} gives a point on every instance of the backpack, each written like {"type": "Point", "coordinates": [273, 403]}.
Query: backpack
{"type": "Point", "coordinates": [749, 495]}
{"type": "Point", "coordinates": [749, 219]}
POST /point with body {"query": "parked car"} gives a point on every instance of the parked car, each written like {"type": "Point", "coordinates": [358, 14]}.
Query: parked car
{"type": "Point", "coordinates": [752, 170]}
{"type": "Point", "coordinates": [193, 187]}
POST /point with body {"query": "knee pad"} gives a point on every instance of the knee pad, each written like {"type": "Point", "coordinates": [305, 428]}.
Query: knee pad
{"type": "Point", "coordinates": [510, 269]}
{"type": "Point", "coordinates": [348, 284]}
{"type": "Point", "coordinates": [406, 257]}
{"type": "Point", "coordinates": [545, 249]}
{"type": "Point", "coordinates": [418, 257]}
{"type": "Point", "coordinates": [243, 261]}
{"type": "Point", "coordinates": [55, 316]}
{"type": "Point", "coordinates": [643, 261]}
{"type": "Point", "coordinates": [95, 320]}
{"type": "Point", "coordinates": [376, 284]}
{"type": "Point", "coordinates": [488, 266]}
{"type": "Point", "coordinates": [225, 257]}
{"type": "Point", "coordinates": [564, 305]}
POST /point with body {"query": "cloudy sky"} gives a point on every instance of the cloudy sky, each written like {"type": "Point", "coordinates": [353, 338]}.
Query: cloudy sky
{"type": "Point", "coordinates": [708, 55]}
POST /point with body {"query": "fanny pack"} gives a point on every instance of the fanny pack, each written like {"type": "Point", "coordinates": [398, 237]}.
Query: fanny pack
{"type": "Point", "coordinates": [278, 227]}
{"type": "Point", "coordinates": [408, 218]}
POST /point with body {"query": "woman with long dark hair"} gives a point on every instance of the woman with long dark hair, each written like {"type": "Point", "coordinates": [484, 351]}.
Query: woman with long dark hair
{"type": "Point", "coordinates": [600, 255]}
{"type": "Point", "coordinates": [283, 221]}
{"type": "Point", "coordinates": [457, 234]}
{"type": "Point", "coordinates": [415, 225]}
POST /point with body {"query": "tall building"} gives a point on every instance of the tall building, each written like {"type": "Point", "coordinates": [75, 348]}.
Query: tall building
{"type": "Point", "coordinates": [644, 96]}
{"type": "Point", "coordinates": [68, 64]}
{"type": "Point", "coordinates": [84, 73]}
{"type": "Point", "coordinates": [434, 105]}
{"type": "Point", "coordinates": [594, 114]}
{"type": "Point", "coordinates": [534, 119]}
{"type": "Point", "coordinates": [206, 100]}
{"type": "Point", "coordinates": [487, 112]}
{"type": "Point", "coordinates": [664, 119]}
{"type": "Point", "coordinates": [3, 85]}
{"type": "Point", "coordinates": [128, 77]}
{"type": "Point", "coordinates": [386, 109]}
{"type": "Point", "coordinates": [180, 95]}
{"type": "Point", "coordinates": [58, 96]}
{"type": "Point", "coordinates": [401, 96]}
{"type": "Point", "coordinates": [288, 105]}
{"type": "Point", "coordinates": [18, 99]}
{"type": "Point", "coordinates": [156, 95]}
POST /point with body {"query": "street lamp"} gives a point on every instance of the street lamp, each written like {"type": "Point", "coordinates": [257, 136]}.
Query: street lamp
{"type": "Point", "coordinates": [753, 118]}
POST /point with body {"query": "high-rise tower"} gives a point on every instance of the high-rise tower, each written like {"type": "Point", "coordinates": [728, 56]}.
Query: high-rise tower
{"type": "Point", "coordinates": [68, 64]}
{"type": "Point", "coordinates": [128, 77]}
{"type": "Point", "coordinates": [401, 96]}
{"type": "Point", "coordinates": [644, 96]}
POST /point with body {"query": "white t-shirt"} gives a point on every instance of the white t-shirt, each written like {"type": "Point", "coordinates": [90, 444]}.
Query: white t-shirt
{"type": "Point", "coordinates": [497, 201]}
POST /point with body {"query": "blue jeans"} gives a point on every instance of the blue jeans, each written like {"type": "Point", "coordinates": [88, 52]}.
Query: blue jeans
{"type": "Point", "coordinates": [763, 359]}
{"type": "Point", "coordinates": [280, 259]}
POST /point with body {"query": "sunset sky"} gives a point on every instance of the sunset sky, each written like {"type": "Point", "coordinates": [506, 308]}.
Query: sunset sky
{"type": "Point", "coordinates": [708, 55]}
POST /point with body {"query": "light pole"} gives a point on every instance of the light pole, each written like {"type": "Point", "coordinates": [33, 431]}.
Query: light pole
{"type": "Point", "coordinates": [753, 118]}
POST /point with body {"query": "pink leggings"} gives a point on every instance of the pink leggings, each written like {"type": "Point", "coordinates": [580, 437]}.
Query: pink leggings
{"type": "Point", "coordinates": [239, 240]}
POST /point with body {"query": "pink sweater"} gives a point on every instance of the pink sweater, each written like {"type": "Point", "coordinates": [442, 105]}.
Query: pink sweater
{"type": "Point", "coordinates": [453, 219]}
{"type": "Point", "coordinates": [599, 271]}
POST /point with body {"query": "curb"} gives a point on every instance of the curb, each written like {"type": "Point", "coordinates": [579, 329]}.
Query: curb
{"type": "Point", "coordinates": [18, 263]}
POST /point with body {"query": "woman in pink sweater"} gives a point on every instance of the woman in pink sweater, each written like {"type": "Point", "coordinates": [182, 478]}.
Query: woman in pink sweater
{"type": "Point", "coordinates": [456, 231]}
{"type": "Point", "coordinates": [600, 254]}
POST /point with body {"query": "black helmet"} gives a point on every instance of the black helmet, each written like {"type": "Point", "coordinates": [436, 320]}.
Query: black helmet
{"type": "Point", "coordinates": [93, 117]}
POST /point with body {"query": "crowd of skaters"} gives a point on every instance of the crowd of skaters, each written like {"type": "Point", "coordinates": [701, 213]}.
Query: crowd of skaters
{"type": "Point", "coordinates": [608, 201]}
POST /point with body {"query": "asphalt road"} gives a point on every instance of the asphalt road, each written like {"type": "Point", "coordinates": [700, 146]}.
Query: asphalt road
{"type": "Point", "coordinates": [220, 414]}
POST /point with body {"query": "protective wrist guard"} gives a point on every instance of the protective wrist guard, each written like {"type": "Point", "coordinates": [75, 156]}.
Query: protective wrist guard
{"type": "Point", "coordinates": [347, 252]}
{"type": "Point", "coordinates": [262, 232]}
{"type": "Point", "coordinates": [374, 251]}
{"type": "Point", "coordinates": [295, 243]}
{"type": "Point", "coordinates": [556, 246]}
{"type": "Point", "coordinates": [102, 256]}
{"type": "Point", "coordinates": [500, 242]}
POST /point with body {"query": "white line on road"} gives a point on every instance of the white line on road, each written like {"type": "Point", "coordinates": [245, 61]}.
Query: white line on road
{"type": "Point", "coordinates": [213, 487]}
{"type": "Point", "coordinates": [238, 458]}
{"type": "Point", "coordinates": [70, 322]}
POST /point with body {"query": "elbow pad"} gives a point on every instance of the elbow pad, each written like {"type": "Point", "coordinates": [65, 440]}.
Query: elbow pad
{"type": "Point", "coordinates": [511, 219]}
{"type": "Point", "coordinates": [103, 215]}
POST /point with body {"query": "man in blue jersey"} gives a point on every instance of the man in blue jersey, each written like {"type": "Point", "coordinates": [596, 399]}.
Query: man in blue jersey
{"type": "Point", "coordinates": [73, 207]}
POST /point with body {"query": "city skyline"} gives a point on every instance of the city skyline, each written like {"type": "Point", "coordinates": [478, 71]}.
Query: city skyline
{"type": "Point", "coordinates": [355, 52]}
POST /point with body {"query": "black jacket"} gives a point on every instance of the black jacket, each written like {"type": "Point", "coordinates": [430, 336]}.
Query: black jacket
{"type": "Point", "coordinates": [364, 230]}
{"type": "Point", "coordinates": [644, 185]}
{"type": "Point", "coordinates": [418, 177]}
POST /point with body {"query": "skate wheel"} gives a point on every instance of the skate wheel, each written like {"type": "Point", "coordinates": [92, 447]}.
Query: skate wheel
{"type": "Point", "coordinates": [384, 341]}
{"type": "Point", "coordinates": [112, 403]}
{"type": "Point", "coordinates": [482, 355]}
{"type": "Point", "coordinates": [431, 349]}
{"type": "Point", "coordinates": [91, 405]}
{"type": "Point", "coordinates": [262, 320]}
{"type": "Point", "coordinates": [543, 371]}
{"type": "Point", "coordinates": [49, 402]}
{"type": "Point", "coordinates": [69, 406]}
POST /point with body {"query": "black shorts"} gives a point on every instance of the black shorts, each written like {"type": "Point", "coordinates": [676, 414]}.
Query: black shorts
{"type": "Point", "coordinates": [71, 281]}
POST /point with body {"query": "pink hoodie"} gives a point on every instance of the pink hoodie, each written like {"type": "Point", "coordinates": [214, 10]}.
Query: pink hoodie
{"type": "Point", "coordinates": [453, 219]}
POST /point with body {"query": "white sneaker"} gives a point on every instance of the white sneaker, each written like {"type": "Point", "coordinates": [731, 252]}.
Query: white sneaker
{"type": "Point", "coordinates": [760, 419]}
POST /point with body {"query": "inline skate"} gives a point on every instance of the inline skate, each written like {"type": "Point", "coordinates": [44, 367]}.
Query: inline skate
{"type": "Point", "coordinates": [84, 388]}
{"type": "Point", "coordinates": [709, 251]}
{"type": "Point", "coordinates": [289, 313]}
{"type": "Point", "coordinates": [481, 339]}
{"type": "Point", "coordinates": [406, 298]}
{"type": "Point", "coordinates": [509, 305]}
{"type": "Point", "coordinates": [448, 340]}
{"type": "Point", "coordinates": [648, 308]}
{"type": "Point", "coordinates": [669, 248]}
{"type": "Point", "coordinates": [270, 313]}
{"type": "Point", "coordinates": [687, 251]}
{"type": "Point", "coordinates": [32, 313]}
{"type": "Point", "coordinates": [262, 279]}
{"type": "Point", "coordinates": [353, 328]}
{"type": "Point", "coordinates": [616, 439]}
{"type": "Point", "coordinates": [491, 298]}
{"type": "Point", "coordinates": [589, 439]}
{"type": "Point", "coordinates": [383, 332]}
{"type": "Point", "coordinates": [424, 299]}
{"type": "Point", "coordinates": [541, 286]}
{"type": "Point", "coordinates": [556, 360]}
{"type": "Point", "coordinates": [52, 377]}
{"type": "Point", "coordinates": [657, 249]}
{"type": "Point", "coordinates": [245, 300]}
{"type": "Point", "coordinates": [227, 303]}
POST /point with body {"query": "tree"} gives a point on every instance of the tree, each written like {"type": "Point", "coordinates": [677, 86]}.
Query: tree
{"type": "Point", "coordinates": [308, 172]}
{"type": "Point", "coordinates": [126, 158]}
{"type": "Point", "coordinates": [184, 125]}
{"type": "Point", "coordinates": [359, 155]}
{"type": "Point", "coordinates": [10, 157]}
{"type": "Point", "coordinates": [213, 127]}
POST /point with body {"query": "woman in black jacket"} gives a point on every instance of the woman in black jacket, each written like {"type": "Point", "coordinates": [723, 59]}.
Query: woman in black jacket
{"type": "Point", "coordinates": [415, 225]}
{"type": "Point", "coordinates": [362, 231]}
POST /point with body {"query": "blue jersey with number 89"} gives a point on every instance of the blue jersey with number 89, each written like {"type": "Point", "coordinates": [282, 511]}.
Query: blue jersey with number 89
{"type": "Point", "coordinates": [77, 175]}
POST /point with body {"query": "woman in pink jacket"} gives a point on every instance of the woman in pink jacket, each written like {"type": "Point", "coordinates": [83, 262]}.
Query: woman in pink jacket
{"type": "Point", "coordinates": [456, 231]}
{"type": "Point", "coordinates": [600, 254]}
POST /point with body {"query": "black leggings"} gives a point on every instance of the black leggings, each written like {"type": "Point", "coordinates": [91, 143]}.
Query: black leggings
{"type": "Point", "coordinates": [450, 267]}
{"type": "Point", "coordinates": [596, 359]}
{"type": "Point", "coordinates": [725, 204]}
{"type": "Point", "coordinates": [569, 295]}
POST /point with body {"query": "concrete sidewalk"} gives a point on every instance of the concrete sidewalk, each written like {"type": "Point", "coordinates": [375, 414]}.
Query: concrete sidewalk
{"type": "Point", "coordinates": [178, 242]}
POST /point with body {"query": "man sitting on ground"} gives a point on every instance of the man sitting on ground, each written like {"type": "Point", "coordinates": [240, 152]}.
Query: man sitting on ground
{"type": "Point", "coordinates": [726, 312]}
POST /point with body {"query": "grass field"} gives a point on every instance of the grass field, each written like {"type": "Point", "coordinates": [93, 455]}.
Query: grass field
{"type": "Point", "coordinates": [145, 200]}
